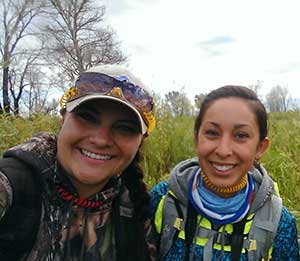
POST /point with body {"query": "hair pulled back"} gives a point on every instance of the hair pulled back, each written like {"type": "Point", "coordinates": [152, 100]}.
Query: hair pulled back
{"type": "Point", "coordinates": [241, 92]}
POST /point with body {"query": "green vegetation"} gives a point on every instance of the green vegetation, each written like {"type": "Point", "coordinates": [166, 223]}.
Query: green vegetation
{"type": "Point", "coordinates": [14, 130]}
{"type": "Point", "coordinates": [172, 141]}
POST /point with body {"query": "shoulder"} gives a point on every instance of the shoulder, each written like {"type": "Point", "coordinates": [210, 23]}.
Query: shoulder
{"type": "Point", "coordinates": [21, 178]}
{"type": "Point", "coordinates": [287, 222]}
{"type": "Point", "coordinates": [5, 194]}
{"type": "Point", "coordinates": [157, 192]}
{"type": "Point", "coordinates": [14, 178]}
{"type": "Point", "coordinates": [286, 243]}
{"type": "Point", "coordinates": [16, 170]}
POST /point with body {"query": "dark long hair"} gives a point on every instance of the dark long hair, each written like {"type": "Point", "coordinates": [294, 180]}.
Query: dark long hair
{"type": "Point", "coordinates": [139, 196]}
{"type": "Point", "coordinates": [132, 241]}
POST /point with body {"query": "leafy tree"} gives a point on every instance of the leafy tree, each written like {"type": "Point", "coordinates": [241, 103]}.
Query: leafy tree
{"type": "Point", "coordinates": [277, 99]}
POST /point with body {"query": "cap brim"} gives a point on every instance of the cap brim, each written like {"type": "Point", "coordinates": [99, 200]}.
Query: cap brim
{"type": "Point", "coordinates": [71, 105]}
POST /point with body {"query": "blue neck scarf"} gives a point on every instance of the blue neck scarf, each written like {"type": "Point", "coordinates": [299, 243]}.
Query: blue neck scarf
{"type": "Point", "coordinates": [217, 209]}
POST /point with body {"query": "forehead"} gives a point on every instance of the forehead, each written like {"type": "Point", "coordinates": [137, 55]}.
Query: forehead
{"type": "Point", "coordinates": [230, 110]}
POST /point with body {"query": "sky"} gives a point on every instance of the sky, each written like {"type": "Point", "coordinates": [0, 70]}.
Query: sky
{"type": "Point", "coordinates": [199, 45]}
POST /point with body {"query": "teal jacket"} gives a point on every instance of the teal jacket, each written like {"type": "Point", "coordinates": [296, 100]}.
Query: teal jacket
{"type": "Point", "coordinates": [285, 246]}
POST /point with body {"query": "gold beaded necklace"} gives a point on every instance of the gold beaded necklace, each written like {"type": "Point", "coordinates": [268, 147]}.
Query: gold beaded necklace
{"type": "Point", "coordinates": [227, 191]}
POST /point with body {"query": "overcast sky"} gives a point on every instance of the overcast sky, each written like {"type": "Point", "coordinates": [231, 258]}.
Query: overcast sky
{"type": "Point", "coordinates": [204, 44]}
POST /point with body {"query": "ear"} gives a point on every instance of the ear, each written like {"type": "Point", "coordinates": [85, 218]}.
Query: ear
{"type": "Point", "coordinates": [262, 147]}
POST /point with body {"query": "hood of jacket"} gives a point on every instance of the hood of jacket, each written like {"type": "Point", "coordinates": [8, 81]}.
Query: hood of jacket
{"type": "Point", "coordinates": [183, 172]}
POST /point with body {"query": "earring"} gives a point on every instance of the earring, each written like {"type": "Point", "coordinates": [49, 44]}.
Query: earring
{"type": "Point", "coordinates": [256, 163]}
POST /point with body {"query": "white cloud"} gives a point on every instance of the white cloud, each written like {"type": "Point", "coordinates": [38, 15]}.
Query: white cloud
{"type": "Point", "coordinates": [203, 44]}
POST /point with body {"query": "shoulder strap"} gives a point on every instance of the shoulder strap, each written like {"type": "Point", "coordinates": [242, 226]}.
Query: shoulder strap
{"type": "Point", "coordinates": [171, 223]}
{"type": "Point", "coordinates": [264, 228]}
{"type": "Point", "coordinates": [177, 218]}
{"type": "Point", "coordinates": [190, 228]}
{"type": "Point", "coordinates": [237, 239]}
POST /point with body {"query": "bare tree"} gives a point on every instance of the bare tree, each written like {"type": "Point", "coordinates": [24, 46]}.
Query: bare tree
{"type": "Point", "coordinates": [198, 99]}
{"type": "Point", "coordinates": [294, 104]}
{"type": "Point", "coordinates": [78, 37]}
{"type": "Point", "coordinates": [256, 87]}
{"type": "Point", "coordinates": [178, 103]}
{"type": "Point", "coordinates": [38, 91]}
{"type": "Point", "coordinates": [277, 99]}
{"type": "Point", "coordinates": [16, 18]}
{"type": "Point", "coordinates": [20, 75]}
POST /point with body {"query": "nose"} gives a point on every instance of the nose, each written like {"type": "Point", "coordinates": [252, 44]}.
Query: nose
{"type": "Point", "coordinates": [224, 147]}
{"type": "Point", "coordinates": [102, 136]}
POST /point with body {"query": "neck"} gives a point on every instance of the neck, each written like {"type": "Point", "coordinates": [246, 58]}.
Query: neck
{"type": "Point", "coordinates": [87, 190]}
{"type": "Point", "coordinates": [224, 192]}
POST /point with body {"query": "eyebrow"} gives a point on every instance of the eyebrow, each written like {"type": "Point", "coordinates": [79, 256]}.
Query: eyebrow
{"type": "Point", "coordinates": [236, 126]}
{"type": "Point", "coordinates": [130, 121]}
{"type": "Point", "coordinates": [87, 108]}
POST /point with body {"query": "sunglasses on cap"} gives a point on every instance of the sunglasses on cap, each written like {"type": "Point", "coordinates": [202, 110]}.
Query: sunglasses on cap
{"type": "Point", "coordinates": [90, 83]}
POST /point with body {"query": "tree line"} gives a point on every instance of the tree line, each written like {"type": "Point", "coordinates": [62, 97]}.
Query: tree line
{"type": "Point", "coordinates": [178, 104]}
{"type": "Point", "coordinates": [45, 44]}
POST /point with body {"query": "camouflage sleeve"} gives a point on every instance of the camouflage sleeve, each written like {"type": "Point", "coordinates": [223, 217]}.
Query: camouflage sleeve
{"type": "Point", "coordinates": [5, 195]}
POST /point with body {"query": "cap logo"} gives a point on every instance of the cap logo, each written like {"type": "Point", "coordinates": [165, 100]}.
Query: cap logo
{"type": "Point", "coordinates": [116, 91]}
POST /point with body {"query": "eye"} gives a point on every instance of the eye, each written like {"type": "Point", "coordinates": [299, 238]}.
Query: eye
{"type": "Point", "coordinates": [126, 128]}
{"type": "Point", "coordinates": [86, 116]}
{"type": "Point", "coordinates": [241, 136]}
{"type": "Point", "coordinates": [210, 133]}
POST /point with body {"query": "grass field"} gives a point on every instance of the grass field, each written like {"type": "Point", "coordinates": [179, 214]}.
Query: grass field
{"type": "Point", "coordinates": [172, 141]}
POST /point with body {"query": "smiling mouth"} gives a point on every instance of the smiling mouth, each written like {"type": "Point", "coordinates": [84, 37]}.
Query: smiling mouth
{"type": "Point", "coordinates": [92, 155]}
{"type": "Point", "coordinates": [223, 167]}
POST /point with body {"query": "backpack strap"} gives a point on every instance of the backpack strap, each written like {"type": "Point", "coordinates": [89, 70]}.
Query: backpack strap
{"type": "Point", "coordinates": [264, 228]}
{"type": "Point", "coordinates": [169, 225]}
{"type": "Point", "coordinates": [237, 239]}
{"type": "Point", "coordinates": [190, 228]}
{"type": "Point", "coordinates": [179, 219]}
{"type": "Point", "coordinates": [261, 236]}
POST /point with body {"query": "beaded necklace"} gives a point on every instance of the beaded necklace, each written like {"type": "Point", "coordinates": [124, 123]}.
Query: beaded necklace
{"type": "Point", "coordinates": [227, 191]}
{"type": "Point", "coordinates": [100, 201]}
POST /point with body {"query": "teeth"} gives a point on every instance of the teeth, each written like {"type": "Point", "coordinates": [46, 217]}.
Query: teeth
{"type": "Point", "coordinates": [223, 167]}
{"type": "Point", "coordinates": [95, 156]}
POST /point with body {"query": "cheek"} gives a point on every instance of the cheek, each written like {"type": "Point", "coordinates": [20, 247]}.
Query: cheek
{"type": "Point", "coordinates": [248, 155]}
{"type": "Point", "coordinates": [203, 147]}
{"type": "Point", "coordinates": [131, 147]}
{"type": "Point", "coordinates": [63, 137]}
{"type": "Point", "coordinates": [61, 146]}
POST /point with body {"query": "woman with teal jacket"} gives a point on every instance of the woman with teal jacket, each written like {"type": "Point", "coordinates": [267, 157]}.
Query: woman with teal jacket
{"type": "Point", "coordinates": [223, 205]}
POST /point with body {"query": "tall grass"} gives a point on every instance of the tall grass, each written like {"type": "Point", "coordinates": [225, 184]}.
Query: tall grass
{"type": "Point", "coordinates": [283, 157]}
{"type": "Point", "coordinates": [14, 130]}
{"type": "Point", "coordinates": [172, 141]}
